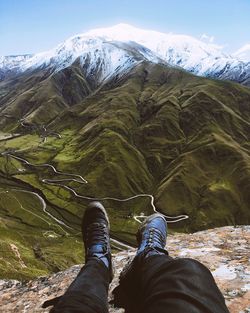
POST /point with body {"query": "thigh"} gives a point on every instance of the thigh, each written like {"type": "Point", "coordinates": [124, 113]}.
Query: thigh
{"type": "Point", "coordinates": [179, 285]}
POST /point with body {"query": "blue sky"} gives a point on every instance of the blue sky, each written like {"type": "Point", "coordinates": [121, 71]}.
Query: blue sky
{"type": "Point", "coordinates": [30, 26]}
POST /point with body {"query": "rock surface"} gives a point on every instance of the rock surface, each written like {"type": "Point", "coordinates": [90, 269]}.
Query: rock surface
{"type": "Point", "coordinates": [225, 251]}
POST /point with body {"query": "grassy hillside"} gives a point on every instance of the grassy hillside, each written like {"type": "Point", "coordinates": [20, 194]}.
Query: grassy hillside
{"type": "Point", "coordinates": [158, 130]}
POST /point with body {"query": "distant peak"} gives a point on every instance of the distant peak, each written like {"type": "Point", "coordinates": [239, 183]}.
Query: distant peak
{"type": "Point", "coordinates": [120, 31]}
{"type": "Point", "coordinates": [120, 26]}
{"type": "Point", "coordinates": [123, 25]}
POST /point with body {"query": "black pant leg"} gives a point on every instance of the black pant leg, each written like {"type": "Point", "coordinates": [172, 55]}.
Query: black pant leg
{"type": "Point", "coordinates": [88, 293]}
{"type": "Point", "coordinates": [178, 286]}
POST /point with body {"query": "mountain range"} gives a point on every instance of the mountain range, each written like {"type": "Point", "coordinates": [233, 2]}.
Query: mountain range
{"type": "Point", "coordinates": [116, 48]}
{"type": "Point", "coordinates": [106, 115]}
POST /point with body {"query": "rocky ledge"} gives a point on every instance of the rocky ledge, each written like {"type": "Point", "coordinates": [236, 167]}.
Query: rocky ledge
{"type": "Point", "coordinates": [225, 251]}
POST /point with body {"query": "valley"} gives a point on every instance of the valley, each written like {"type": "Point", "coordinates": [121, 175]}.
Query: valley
{"type": "Point", "coordinates": [150, 138]}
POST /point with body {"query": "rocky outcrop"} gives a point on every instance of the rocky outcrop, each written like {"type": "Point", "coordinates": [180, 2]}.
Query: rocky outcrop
{"type": "Point", "coordinates": [225, 251]}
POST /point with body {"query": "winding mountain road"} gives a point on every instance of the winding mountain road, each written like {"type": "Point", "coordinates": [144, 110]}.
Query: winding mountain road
{"type": "Point", "coordinates": [79, 179]}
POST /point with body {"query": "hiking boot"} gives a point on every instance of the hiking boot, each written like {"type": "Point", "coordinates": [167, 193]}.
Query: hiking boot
{"type": "Point", "coordinates": [95, 234]}
{"type": "Point", "coordinates": [152, 236]}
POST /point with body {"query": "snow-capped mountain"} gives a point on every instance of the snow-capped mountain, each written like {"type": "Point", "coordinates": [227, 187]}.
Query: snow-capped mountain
{"type": "Point", "coordinates": [95, 53]}
{"type": "Point", "coordinates": [175, 49]}
{"type": "Point", "coordinates": [196, 56]}
{"type": "Point", "coordinates": [112, 50]}
{"type": "Point", "coordinates": [11, 62]}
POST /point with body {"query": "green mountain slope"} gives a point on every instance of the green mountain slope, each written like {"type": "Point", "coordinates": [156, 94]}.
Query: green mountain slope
{"type": "Point", "coordinates": [157, 131]}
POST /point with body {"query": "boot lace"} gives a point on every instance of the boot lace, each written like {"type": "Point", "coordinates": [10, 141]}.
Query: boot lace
{"type": "Point", "coordinates": [154, 238]}
{"type": "Point", "coordinates": [97, 234]}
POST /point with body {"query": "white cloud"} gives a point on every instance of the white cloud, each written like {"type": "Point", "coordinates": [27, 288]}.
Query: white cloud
{"type": "Point", "coordinates": [207, 38]}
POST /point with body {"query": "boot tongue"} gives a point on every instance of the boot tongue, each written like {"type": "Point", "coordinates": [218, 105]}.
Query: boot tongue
{"type": "Point", "coordinates": [99, 252]}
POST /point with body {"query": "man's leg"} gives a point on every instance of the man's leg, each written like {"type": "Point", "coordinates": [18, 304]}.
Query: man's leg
{"type": "Point", "coordinates": [178, 286]}
{"type": "Point", "coordinates": [165, 284]}
{"type": "Point", "coordinates": [89, 291]}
